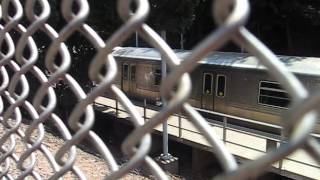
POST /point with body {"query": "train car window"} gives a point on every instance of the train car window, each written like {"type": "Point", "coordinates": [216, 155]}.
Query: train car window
{"type": "Point", "coordinates": [221, 85]}
{"type": "Point", "coordinates": [207, 83]}
{"type": "Point", "coordinates": [133, 72]}
{"type": "Point", "coordinates": [271, 93]}
{"type": "Point", "coordinates": [157, 77]}
{"type": "Point", "coordinates": [125, 68]}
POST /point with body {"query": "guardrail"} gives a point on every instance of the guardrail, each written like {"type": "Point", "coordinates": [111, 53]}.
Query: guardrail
{"type": "Point", "coordinates": [272, 141]}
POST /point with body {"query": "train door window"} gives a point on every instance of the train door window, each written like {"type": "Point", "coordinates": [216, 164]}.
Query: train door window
{"type": "Point", "coordinates": [221, 85]}
{"type": "Point", "coordinates": [157, 77]}
{"type": "Point", "coordinates": [133, 72]}
{"type": "Point", "coordinates": [271, 94]}
{"type": "Point", "coordinates": [125, 68]}
{"type": "Point", "coordinates": [207, 83]}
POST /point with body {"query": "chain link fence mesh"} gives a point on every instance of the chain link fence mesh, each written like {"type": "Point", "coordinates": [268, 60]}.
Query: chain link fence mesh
{"type": "Point", "coordinates": [17, 66]}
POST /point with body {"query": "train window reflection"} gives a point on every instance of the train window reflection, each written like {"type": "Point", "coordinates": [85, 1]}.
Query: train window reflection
{"type": "Point", "coordinates": [125, 69]}
{"type": "Point", "coordinates": [221, 86]}
{"type": "Point", "coordinates": [270, 93]}
{"type": "Point", "coordinates": [207, 83]}
{"type": "Point", "coordinates": [157, 77]}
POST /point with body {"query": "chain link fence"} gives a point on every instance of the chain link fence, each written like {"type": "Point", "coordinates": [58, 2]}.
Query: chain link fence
{"type": "Point", "coordinates": [16, 66]}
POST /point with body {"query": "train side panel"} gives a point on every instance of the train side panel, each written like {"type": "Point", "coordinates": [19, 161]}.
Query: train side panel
{"type": "Point", "coordinates": [223, 84]}
{"type": "Point", "coordinates": [146, 87]}
{"type": "Point", "coordinates": [137, 78]}
{"type": "Point", "coordinates": [242, 96]}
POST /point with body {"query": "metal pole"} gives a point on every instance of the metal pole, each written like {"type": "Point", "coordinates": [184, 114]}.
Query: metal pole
{"type": "Point", "coordinates": [181, 41]}
{"type": "Point", "coordinates": [117, 111]}
{"type": "Point", "coordinates": [242, 49]}
{"type": "Point", "coordinates": [165, 124]}
{"type": "Point", "coordinates": [145, 110]}
{"type": "Point", "coordinates": [224, 129]}
{"type": "Point", "coordinates": [180, 130]}
{"type": "Point", "coordinates": [137, 39]}
{"type": "Point", "coordinates": [281, 142]}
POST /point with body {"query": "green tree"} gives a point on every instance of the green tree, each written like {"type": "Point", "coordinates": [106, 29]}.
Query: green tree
{"type": "Point", "coordinates": [172, 15]}
{"type": "Point", "coordinates": [104, 17]}
{"type": "Point", "coordinates": [281, 23]}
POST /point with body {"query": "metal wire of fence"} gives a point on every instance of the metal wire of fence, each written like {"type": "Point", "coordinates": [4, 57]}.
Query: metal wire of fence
{"type": "Point", "coordinates": [231, 15]}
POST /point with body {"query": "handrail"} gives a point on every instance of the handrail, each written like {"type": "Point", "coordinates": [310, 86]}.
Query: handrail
{"type": "Point", "coordinates": [220, 126]}
{"type": "Point", "coordinates": [253, 122]}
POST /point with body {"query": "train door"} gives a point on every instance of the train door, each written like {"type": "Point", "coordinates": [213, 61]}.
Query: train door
{"type": "Point", "coordinates": [129, 77]}
{"type": "Point", "coordinates": [132, 82]}
{"type": "Point", "coordinates": [125, 77]}
{"type": "Point", "coordinates": [207, 91]}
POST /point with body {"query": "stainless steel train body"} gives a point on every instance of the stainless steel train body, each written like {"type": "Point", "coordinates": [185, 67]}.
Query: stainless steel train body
{"type": "Point", "coordinates": [230, 83]}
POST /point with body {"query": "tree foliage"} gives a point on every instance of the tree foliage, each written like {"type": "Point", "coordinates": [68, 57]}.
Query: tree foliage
{"type": "Point", "coordinates": [286, 11]}
{"type": "Point", "coordinates": [169, 15]}
{"type": "Point", "coordinates": [104, 17]}
{"type": "Point", "coordinates": [172, 15]}
{"type": "Point", "coordinates": [287, 26]}
{"type": "Point", "coordinates": [281, 24]}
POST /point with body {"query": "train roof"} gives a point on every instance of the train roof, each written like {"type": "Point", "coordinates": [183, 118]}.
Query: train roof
{"type": "Point", "coordinates": [301, 65]}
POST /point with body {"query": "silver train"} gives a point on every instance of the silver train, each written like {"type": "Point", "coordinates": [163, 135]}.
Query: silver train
{"type": "Point", "coordinates": [230, 83]}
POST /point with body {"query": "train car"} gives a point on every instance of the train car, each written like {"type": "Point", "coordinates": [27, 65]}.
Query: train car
{"type": "Point", "coordinates": [226, 82]}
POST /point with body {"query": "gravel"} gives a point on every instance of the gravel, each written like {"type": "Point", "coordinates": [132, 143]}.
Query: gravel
{"type": "Point", "coordinates": [92, 166]}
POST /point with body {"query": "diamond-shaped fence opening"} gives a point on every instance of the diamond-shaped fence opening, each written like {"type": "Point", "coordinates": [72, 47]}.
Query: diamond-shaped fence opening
{"type": "Point", "coordinates": [38, 76]}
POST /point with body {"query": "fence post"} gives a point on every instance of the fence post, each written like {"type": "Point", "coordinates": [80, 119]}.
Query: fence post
{"type": "Point", "coordinates": [179, 121]}
{"type": "Point", "coordinates": [281, 142]}
{"type": "Point", "coordinates": [270, 145]}
{"type": "Point", "coordinates": [117, 108]}
{"type": "Point", "coordinates": [224, 136]}
{"type": "Point", "coordinates": [145, 110]}
{"type": "Point", "coordinates": [137, 39]}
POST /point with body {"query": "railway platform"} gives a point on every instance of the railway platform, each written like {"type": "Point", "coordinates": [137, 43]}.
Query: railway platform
{"type": "Point", "coordinates": [244, 143]}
